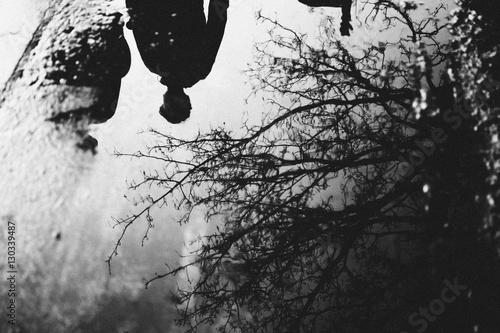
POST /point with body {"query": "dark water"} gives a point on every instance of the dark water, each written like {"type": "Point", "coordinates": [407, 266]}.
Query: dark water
{"type": "Point", "coordinates": [62, 197]}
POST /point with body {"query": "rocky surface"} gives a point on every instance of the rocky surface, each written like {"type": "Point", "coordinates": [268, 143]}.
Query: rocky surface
{"type": "Point", "coordinates": [75, 61]}
{"type": "Point", "coordinates": [68, 77]}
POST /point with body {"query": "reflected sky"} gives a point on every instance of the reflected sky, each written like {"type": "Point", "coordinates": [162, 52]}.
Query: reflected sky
{"type": "Point", "coordinates": [97, 192]}
{"type": "Point", "coordinates": [56, 189]}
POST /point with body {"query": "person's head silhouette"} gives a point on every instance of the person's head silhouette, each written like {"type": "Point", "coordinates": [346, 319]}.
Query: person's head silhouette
{"type": "Point", "coordinates": [176, 106]}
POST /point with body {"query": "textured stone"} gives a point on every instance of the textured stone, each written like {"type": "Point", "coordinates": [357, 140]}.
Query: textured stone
{"type": "Point", "coordinates": [78, 51]}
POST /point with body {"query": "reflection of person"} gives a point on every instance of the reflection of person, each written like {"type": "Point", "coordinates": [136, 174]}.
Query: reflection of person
{"type": "Point", "coordinates": [345, 26]}
{"type": "Point", "coordinates": [177, 43]}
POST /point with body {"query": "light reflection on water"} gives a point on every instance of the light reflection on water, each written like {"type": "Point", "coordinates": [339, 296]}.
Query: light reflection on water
{"type": "Point", "coordinates": [62, 199]}
{"type": "Point", "coordinates": [49, 187]}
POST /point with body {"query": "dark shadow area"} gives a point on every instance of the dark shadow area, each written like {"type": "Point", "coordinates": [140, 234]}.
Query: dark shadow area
{"type": "Point", "coordinates": [124, 313]}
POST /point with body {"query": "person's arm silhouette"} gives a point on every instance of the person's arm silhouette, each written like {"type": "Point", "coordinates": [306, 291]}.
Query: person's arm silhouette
{"type": "Point", "coordinates": [216, 23]}
{"type": "Point", "coordinates": [345, 26]}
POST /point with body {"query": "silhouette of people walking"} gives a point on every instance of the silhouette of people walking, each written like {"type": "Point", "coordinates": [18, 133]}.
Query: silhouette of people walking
{"type": "Point", "coordinates": [177, 42]}
{"type": "Point", "coordinates": [345, 25]}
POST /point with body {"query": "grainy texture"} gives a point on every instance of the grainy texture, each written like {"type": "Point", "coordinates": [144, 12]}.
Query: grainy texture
{"type": "Point", "coordinates": [69, 73]}
{"type": "Point", "coordinates": [77, 55]}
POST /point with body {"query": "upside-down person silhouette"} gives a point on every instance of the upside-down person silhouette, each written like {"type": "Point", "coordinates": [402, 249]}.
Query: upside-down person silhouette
{"type": "Point", "coordinates": [177, 43]}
